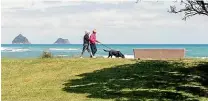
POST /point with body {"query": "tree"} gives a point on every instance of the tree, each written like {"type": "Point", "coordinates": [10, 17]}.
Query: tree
{"type": "Point", "coordinates": [191, 8]}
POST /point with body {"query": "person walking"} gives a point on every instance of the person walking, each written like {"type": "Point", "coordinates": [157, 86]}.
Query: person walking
{"type": "Point", "coordinates": [93, 42]}
{"type": "Point", "coordinates": [86, 43]}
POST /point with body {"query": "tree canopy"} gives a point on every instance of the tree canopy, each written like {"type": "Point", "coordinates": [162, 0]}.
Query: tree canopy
{"type": "Point", "coordinates": [190, 8]}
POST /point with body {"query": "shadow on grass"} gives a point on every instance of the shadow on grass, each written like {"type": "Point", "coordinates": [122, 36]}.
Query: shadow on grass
{"type": "Point", "coordinates": [145, 80]}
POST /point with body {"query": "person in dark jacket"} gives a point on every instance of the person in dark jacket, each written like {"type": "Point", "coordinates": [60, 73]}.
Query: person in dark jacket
{"type": "Point", "coordinates": [86, 43]}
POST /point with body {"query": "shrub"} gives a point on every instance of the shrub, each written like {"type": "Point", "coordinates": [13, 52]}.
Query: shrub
{"type": "Point", "coordinates": [47, 54]}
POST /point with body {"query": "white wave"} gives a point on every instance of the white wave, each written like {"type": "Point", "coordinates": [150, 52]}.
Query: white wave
{"type": "Point", "coordinates": [188, 50]}
{"type": "Point", "coordinates": [4, 49]}
{"type": "Point", "coordinates": [202, 57]}
{"type": "Point", "coordinates": [63, 49]}
{"type": "Point", "coordinates": [129, 56]}
{"type": "Point", "coordinates": [61, 55]}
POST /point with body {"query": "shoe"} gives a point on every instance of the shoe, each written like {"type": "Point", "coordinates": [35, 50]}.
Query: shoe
{"type": "Point", "coordinates": [93, 56]}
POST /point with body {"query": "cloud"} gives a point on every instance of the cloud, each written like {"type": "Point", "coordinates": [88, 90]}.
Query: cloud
{"type": "Point", "coordinates": [62, 18]}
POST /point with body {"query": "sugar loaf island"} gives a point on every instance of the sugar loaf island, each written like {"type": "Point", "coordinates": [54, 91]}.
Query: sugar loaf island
{"type": "Point", "coordinates": [20, 39]}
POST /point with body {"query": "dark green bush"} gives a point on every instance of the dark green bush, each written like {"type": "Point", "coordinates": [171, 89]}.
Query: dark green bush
{"type": "Point", "coordinates": [46, 54]}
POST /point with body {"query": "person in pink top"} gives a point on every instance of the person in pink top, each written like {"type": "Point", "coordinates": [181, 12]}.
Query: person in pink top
{"type": "Point", "coordinates": [93, 42]}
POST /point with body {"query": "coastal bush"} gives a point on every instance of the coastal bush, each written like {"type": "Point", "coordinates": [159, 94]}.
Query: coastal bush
{"type": "Point", "coordinates": [46, 54]}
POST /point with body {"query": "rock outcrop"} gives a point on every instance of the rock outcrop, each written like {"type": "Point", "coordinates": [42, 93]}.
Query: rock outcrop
{"type": "Point", "coordinates": [62, 41]}
{"type": "Point", "coordinates": [20, 39]}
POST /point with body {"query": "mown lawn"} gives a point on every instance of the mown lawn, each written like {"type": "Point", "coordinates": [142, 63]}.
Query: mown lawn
{"type": "Point", "coordinates": [103, 80]}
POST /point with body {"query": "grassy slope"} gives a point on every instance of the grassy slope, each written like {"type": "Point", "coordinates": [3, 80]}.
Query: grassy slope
{"type": "Point", "coordinates": [87, 80]}
{"type": "Point", "coordinates": [38, 79]}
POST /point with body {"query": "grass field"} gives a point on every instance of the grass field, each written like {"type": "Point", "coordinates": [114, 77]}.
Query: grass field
{"type": "Point", "coordinates": [60, 79]}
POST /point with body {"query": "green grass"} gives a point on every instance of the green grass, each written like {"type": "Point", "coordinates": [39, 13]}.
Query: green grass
{"type": "Point", "coordinates": [60, 79]}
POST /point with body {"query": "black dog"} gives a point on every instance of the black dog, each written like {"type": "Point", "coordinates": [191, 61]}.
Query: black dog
{"type": "Point", "coordinates": [115, 53]}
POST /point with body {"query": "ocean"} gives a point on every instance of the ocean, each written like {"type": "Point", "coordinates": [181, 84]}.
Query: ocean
{"type": "Point", "coordinates": [74, 50]}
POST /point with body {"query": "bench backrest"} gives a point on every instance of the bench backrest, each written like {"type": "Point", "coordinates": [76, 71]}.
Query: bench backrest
{"type": "Point", "coordinates": [159, 53]}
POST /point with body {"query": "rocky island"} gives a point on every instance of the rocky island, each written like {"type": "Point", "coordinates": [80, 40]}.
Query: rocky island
{"type": "Point", "coordinates": [62, 41]}
{"type": "Point", "coordinates": [20, 39]}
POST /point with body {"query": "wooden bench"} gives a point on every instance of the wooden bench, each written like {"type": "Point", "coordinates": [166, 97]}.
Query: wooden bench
{"type": "Point", "coordinates": [159, 53]}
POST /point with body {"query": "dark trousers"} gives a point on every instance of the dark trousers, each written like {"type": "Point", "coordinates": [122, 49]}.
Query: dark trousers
{"type": "Point", "coordinates": [93, 48]}
{"type": "Point", "coordinates": [85, 47]}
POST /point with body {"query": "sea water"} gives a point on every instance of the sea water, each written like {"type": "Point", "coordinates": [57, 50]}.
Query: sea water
{"type": "Point", "coordinates": [74, 50]}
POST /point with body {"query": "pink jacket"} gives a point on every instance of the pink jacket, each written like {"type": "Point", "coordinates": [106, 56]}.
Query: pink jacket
{"type": "Point", "coordinates": [93, 38]}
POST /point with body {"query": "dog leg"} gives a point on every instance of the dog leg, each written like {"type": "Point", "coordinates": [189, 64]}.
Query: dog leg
{"type": "Point", "coordinates": [108, 55]}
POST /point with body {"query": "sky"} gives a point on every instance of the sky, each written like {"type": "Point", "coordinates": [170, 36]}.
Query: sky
{"type": "Point", "coordinates": [116, 21]}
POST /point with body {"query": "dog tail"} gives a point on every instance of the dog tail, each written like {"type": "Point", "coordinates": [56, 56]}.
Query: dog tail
{"type": "Point", "coordinates": [106, 50]}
